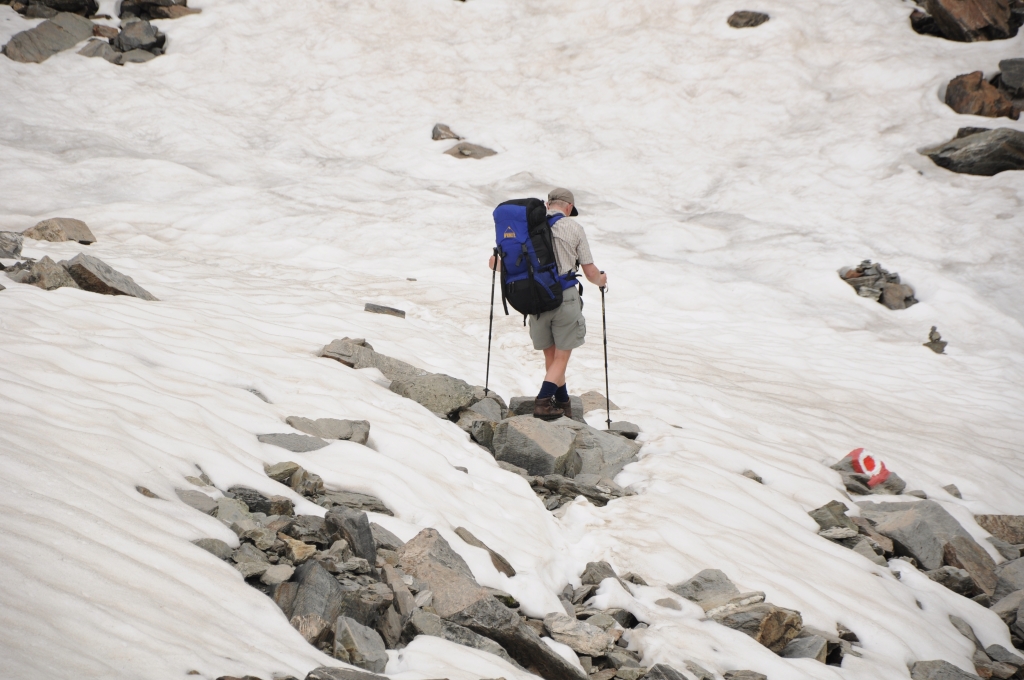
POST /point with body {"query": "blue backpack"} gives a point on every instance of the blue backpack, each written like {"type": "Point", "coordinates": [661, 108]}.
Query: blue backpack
{"type": "Point", "coordinates": [530, 281]}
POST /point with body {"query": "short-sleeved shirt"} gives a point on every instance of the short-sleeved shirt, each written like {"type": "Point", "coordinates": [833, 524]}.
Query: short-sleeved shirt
{"type": "Point", "coordinates": [571, 247]}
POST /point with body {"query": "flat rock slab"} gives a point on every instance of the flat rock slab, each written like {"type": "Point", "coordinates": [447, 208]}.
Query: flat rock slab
{"type": "Point", "coordinates": [356, 353]}
{"type": "Point", "coordinates": [440, 394]}
{"type": "Point", "coordinates": [774, 627]}
{"type": "Point", "coordinates": [97, 276]}
{"type": "Point", "coordinates": [540, 447]}
{"type": "Point", "coordinates": [10, 244]}
{"type": "Point", "coordinates": [467, 150]}
{"type": "Point", "coordinates": [298, 443]}
{"type": "Point", "coordinates": [356, 501]}
{"type": "Point", "coordinates": [381, 309]}
{"type": "Point", "coordinates": [939, 670]}
{"type": "Point", "coordinates": [61, 229]}
{"type": "Point", "coordinates": [198, 500]}
{"type": "Point", "coordinates": [981, 152]}
{"type": "Point", "coordinates": [38, 44]}
{"type": "Point", "coordinates": [215, 547]}
{"type": "Point", "coordinates": [332, 428]}
{"type": "Point", "coordinates": [43, 273]}
{"type": "Point", "coordinates": [744, 675]}
{"type": "Point", "coordinates": [747, 19]}
{"type": "Point", "coordinates": [425, 623]}
{"type": "Point", "coordinates": [1009, 528]}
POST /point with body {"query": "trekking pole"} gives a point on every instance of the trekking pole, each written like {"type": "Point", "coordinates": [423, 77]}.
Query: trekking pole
{"type": "Point", "coordinates": [490, 326]}
{"type": "Point", "coordinates": [604, 329]}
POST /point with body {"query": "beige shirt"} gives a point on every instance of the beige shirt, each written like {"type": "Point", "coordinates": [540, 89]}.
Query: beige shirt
{"type": "Point", "coordinates": [571, 247]}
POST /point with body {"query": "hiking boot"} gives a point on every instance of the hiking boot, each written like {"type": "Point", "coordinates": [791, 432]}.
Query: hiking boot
{"type": "Point", "coordinates": [545, 409]}
{"type": "Point", "coordinates": [566, 407]}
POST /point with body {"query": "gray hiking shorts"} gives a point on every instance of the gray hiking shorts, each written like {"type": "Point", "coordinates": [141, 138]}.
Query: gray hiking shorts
{"type": "Point", "coordinates": [565, 327]}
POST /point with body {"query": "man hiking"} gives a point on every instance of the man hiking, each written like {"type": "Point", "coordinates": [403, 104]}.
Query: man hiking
{"type": "Point", "coordinates": [561, 330]}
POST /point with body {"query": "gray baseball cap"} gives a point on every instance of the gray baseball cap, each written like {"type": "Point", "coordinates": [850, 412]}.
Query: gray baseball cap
{"type": "Point", "coordinates": [561, 194]}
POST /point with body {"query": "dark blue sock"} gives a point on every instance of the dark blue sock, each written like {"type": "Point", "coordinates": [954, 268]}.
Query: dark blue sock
{"type": "Point", "coordinates": [547, 390]}
{"type": "Point", "coordinates": [562, 394]}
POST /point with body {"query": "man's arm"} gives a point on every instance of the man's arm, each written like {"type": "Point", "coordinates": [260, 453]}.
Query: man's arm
{"type": "Point", "coordinates": [594, 275]}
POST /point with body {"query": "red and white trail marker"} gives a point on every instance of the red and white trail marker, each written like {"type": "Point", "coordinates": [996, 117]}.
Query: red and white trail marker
{"type": "Point", "coordinates": [867, 464]}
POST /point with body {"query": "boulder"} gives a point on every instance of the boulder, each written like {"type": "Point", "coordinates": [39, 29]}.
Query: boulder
{"type": "Point", "coordinates": [747, 19]}
{"type": "Point", "coordinates": [580, 636]}
{"type": "Point", "coordinates": [330, 673]}
{"type": "Point", "coordinates": [596, 572]}
{"type": "Point", "coordinates": [43, 273]}
{"type": "Point", "coordinates": [467, 150]}
{"type": "Point", "coordinates": [981, 152]}
{"type": "Point", "coordinates": [939, 670]}
{"type": "Point", "coordinates": [973, 95]}
{"type": "Point", "coordinates": [1010, 579]}
{"type": "Point", "coordinates": [36, 45]}
{"type": "Point", "coordinates": [773, 627]}
{"type": "Point", "coordinates": [306, 483]}
{"type": "Point", "coordinates": [61, 229]}
{"type": "Point", "coordinates": [106, 32]}
{"type": "Point", "coordinates": [356, 501]}
{"type": "Point", "coordinates": [215, 547]}
{"type": "Point", "coordinates": [1011, 76]}
{"type": "Point", "coordinates": [198, 500]}
{"type": "Point", "coordinates": [332, 428]}
{"type": "Point", "coordinates": [809, 647]}
{"type": "Point", "coordinates": [100, 48]}
{"type": "Point", "coordinates": [257, 502]}
{"type": "Point", "coordinates": [523, 406]}
{"type": "Point", "coordinates": [317, 602]}
{"type": "Point", "coordinates": [499, 562]}
{"type": "Point", "coordinates": [357, 353]}
{"type": "Point", "coordinates": [96, 276]}
{"type": "Point", "coordinates": [138, 35]}
{"type": "Point", "coordinates": [864, 548]}
{"type": "Point", "coordinates": [440, 394]}
{"type": "Point", "coordinates": [10, 245]}
{"type": "Point", "coordinates": [972, 20]}
{"type": "Point", "coordinates": [1009, 528]}
{"type": "Point", "coordinates": [425, 623]}
{"type": "Point", "coordinates": [354, 527]}
{"type": "Point", "coordinates": [967, 554]}
{"type": "Point", "coordinates": [601, 453]}
{"type": "Point", "coordinates": [442, 131]}
{"type": "Point", "coordinates": [540, 447]}
{"type": "Point", "coordinates": [296, 443]}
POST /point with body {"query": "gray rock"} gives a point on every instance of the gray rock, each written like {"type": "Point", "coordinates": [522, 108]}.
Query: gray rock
{"type": "Point", "coordinates": [957, 580]}
{"type": "Point", "coordinates": [297, 443]}
{"type": "Point", "coordinates": [1003, 655]}
{"type": "Point", "coordinates": [810, 647]}
{"type": "Point", "coordinates": [747, 19]}
{"type": "Point", "coordinates": [306, 483]}
{"type": "Point", "coordinates": [939, 670]}
{"type": "Point", "coordinates": [215, 547]}
{"type": "Point", "coordinates": [383, 538]}
{"type": "Point", "coordinates": [952, 490]}
{"type": "Point", "coordinates": [863, 547]}
{"type": "Point", "coordinates": [833, 515]}
{"type": "Point", "coordinates": [231, 511]}
{"type": "Point", "coordinates": [356, 353]}
{"type": "Point", "coordinates": [43, 273]}
{"type": "Point", "coordinates": [98, 277]}
{"type": "Point", "coordinates": [281, 472]}
{"type": "Point", "coordinates": [499, 562]}
{"type": "Point", "coordinates": [354, 527]}
{"type": "Point", "coordinates": [965, 629]}
{"type": "Point", "coordinates": [620, 659]}
{"type": "Point", "coordinates": [381, 309]}
{"type": "Point", "coordinates": [356, 501]}
{"type": "Point", "coordinates": [660, 671]}
{"type": "Point", "coordinates": [1009, 552]}
{"type": "Point", "coordinates": [134, 57]}
{"type": "Point", "coordinates": [138, 35]}
{"type": "Point", "coordinates": [367, 604]}
{"type": "Point", "coordinates": [580, 636]}
{"type": "Point", "coordinates": [596, 572]}
{"type": "Point", "coordinates": [668, 603]}
{"type": "Point", "coordinates": [10, 245]}
{"type": "Point", "coordinates": [540, 447]}
{"type": "Point", "coordinates": [85, 8]}
{"type": "Point", "coordinates": [247, 552]}
{"type": "Point", "coordinates": [98, 48]}
{"type": "Point", "coordinates": [774, 627]}
{"type": "Point", "coordinates": [923, 530]}
{"type": "Point", "coordinates": [61, 229]}
{"type": "Point", "coordinates": [523, 406]}
{"type": "Point", "coordinates": [276, 574]}
{"type": "Point", "coordinates": [1011, 75]}
{"type": "Point", "coordinates": [440, 394]}
{"type": "Point", "coordinates": [624, 428]}
{"type": "Point", "coordinates": [744, 675]}
{"type": "Point", "coordinates": [257, 502]}
{"type": "Point", "coordinates": [309, 529]}
{"type": "Point", "coordinates": [479, 427]}
{"type": "Point", "coordinates": [332, 428]}
{"type": "Point", "coordinates": [467, 150]}
{"type": "Point", "coordinates": [1009, 528]}
{"type": "Point", "coordinates": [601, 453]}
{"type": "Point", "coordinates": [897, 296]}
{"type": "Point", "coordinates": [986, 152]}
{"type": "Point", "coordinates": [442, 131]}
{"type": "Point", "coordinates": [198, 500]}
{"type": "Point", "coordinates": [262, 537]}
{"type": "Point", "coordinates": [699, 671]}
{"type": "Point", "coordinates": [330, 673]}
{"type": "Point", "coordinates": [359, 645]}
{"type": "Point", "coordinates": [1010, 579]}
{"type": "Point", "coordinates": [599, 494]}
{"type": "Point", "coordinates": [38, 44]}
{"type": "Point", "coordinates": [317, 603]}
{"type": "Point", "coordinates": [489, 408]}
{"type": "Point", "coordinates": [593, 401]}
{"type": "Point", "coordinates": [429, 558]}
{"type": "Point", "coordinates": [710, 588]}
{"type": "Point", "coordinates": [1006, 608]}
{"type": "Point", "coordinates": [425, 623]}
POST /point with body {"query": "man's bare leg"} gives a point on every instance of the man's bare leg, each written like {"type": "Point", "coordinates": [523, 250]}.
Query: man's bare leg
{"type": "Point", "coordinates": [555, 362]}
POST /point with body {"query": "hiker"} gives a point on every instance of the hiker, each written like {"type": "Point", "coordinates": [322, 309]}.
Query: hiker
{"type": "Point", "coordinates": [559, 331]}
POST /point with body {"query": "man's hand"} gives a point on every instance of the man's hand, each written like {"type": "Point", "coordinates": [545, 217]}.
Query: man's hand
{"type": "Point", "coordinates": [491, 263]}
{"type": "Point", "coordinates": [595, 275]}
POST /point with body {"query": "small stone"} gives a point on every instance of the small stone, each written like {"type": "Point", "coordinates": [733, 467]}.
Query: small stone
{"type": "Point", "coordinates": [281, 472]}
{"type": "Point", "coordinates": [43, 273]}
{"type": "Point", "coordinates": [773, 627]}
{"type": "Point", "coordinates": [257, 502]}
{"type": "Point", "coordinates": [146, 492]}
{"type": "Point", "coordinates": [699, 671]}
{"type": "Point", "coordinates": [198, 500]}
{"type": "Point", "coordinates": [329, 673]}
{"type": "Point", "coordinates": [354, 527]}
{"type": "Point", "coordinates": [1010, 552]}
{"type": "Point", "coordinates": [750, 474]}
{"type": "Point", "coordinates": [596, 572]}
{"type": "Point", "coordinates": [747, 19]}
{"type": "Point", "coordinates": [138, 35]}
{"type": "Point", "coordinates": [660, 671]}
{"type": "Point", "coordinates": [580, 636]}
{"type": "Point", "coordinates": [215, 547]}
{"type": "Point", "coordinates": [1011, 77]}
{"type": "Point", "coordinates": [102, 49]}
{"type": "Point", "coordinates": [467, 150]}
{"type": "Point", "coordinates": [499, 562]}
{"type": "Point", "coordinates": [381, 309]}
{"type": "Point", "coordinates": [972, 21]}
{"type": "Point", "coordinates": [952, 490]}
{"type": "Point", "coordinates": [668, 603]}
{"type": "Point", "coordinates": [744, 675]}
{"type": "Point", "coordinates": [837, 533]}
{"type": "Point", "coordinates": [441, 131]}
{"type": "Point", "coordinates": [279, 573]}
{"type": "Point", "coordinates": [356, 501]}
{"type": "Point", "coordinates": [106, 32]}
{"type": "Point", "coordinates": [231, 511]}
{"type": "Point", "coordinates": [96, 276]}
{"type": "Point", "coordinates": [384, 539]}
{"type": "Point", "coordinates": [917, 493]}
{"type": "Point", "coordinates": [135, 57]}
{"type": "Point", "coordinates": [810, 647]}
{"type": "Point", "coordinates": [357, 353]}
{"type": "Point", "coordinates": [297, 443]}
